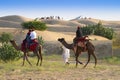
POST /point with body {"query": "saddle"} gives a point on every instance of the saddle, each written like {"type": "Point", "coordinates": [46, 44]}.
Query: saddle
{"type": "Point", "coordinates": [31, 46]}
{"type": "Point", "coordinates": [81, 42]}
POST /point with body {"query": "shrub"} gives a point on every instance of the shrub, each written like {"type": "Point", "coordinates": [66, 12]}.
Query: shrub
{"type": "Point", "coordinates": [5, 37]}
{"type": "Point", "coordinates": [36, 24]}
{"type": "Point", "coordinates": [98, 29]}
{"type": "Point", "coordinates": [8, 53]}
{"type": "Point", "coordinates": [40, 40]}
{"type": "Point", "coordinates": [116, 41]}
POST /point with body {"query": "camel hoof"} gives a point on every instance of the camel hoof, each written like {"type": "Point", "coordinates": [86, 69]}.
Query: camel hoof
{"type": "Point", "coordinates": [82, 63]}
{"type": "Point", "coordinates": [84, 66]}
{"type": "Point", "coordinates": [22, 65]}
{"type": "Point", "coordinates": [40, 64]}
{"type": "Point", "coordinates": [94, 66]}
{"type": "Point", "coordinates": [30, 64]}
{"type": "Point", "coordinates": [36, 64]}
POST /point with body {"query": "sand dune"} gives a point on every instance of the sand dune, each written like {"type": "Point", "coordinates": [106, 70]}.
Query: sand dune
{"type": "Point", "coordinates": [56, 28]}
{"type": "Point", "coordinates": [9, 24]}
{"type": "Point", "coordinates": [13, 21]}
{"type": "Point", "coordinates": [15, 18]}
{"type": "Point", "coordinates": [113, 24]}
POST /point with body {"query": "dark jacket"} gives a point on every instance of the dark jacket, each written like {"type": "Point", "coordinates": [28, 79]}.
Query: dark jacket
{"type": "Point", "coordinates": [79, 33]}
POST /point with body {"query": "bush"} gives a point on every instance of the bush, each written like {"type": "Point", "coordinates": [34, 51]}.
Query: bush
{"type": "Point", "coordinates": [36, 24]}
{"type": "Point", "coordinates": [40, 40]}
{"type": "Point", "coordinates": [5, 37]}
{"type": "Point", "coordinates": [98, 29]}
{"type": "Point", "coordinates": [116, 41]}
{"type": "Point", "coordinates": [8, 53]}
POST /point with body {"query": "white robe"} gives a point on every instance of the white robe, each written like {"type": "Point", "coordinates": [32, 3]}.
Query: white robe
{"type": "Point", "coordinates": [65, 54]}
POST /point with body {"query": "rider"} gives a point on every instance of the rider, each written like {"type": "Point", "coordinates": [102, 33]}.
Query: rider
{"type": "Point", "coordinates": [79, 32]}
{"type": "Point", "coordinates": [33, 35]}
{"type": "Point", "coordinates": [30, 37]}
{"type": "Point", "coordinates": [79, 39]}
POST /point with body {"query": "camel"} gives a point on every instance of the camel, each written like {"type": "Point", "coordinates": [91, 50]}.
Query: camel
{"type": "Point", "coordinates": [37, 51]}
{"type": "Point", "coordinates": [89, 48]}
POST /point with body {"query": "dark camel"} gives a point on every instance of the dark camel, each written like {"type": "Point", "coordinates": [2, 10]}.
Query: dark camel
{"type": "Point", "coordinates": [89, 48]}
{"type": "Point", "coordinates": [37, 51]}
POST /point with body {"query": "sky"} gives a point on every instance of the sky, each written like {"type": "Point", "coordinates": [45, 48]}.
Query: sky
{"type": "Point", "coordinates": [67, 9]}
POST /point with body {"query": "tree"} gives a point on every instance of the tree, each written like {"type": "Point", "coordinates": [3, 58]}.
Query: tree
{"type": "Point", "coordinates": [38, 25]}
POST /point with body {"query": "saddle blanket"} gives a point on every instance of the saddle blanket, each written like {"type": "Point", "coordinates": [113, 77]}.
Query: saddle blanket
{"type": "Point", "coordinates": [31, 47]}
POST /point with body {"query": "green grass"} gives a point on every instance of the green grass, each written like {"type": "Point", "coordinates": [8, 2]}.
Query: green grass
{"type": "Point", "coordinates": [113, 60]}
{"type": "Point", "coordinates": [53, 66]}
{"type": "Point", "coordinates": [51, 63]}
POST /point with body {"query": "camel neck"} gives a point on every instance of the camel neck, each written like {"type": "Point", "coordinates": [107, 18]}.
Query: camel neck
{"type": "Point", "coordinates": [69, 46]}
{"type": "Point", "coordinates": [15, 46]}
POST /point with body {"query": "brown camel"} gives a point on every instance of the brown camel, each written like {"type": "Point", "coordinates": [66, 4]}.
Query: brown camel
{"type": "Point", "coordinates": [37, 51]}
{"type": "Point", "coordinates": [89, 48]}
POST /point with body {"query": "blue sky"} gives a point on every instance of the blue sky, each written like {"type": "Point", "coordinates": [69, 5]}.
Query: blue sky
{"type": "Point", "coordinates": [68, 9]}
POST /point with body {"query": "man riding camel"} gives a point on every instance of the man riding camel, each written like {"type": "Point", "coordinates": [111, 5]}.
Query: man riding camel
{"type": "Point", "coordinates": [80, 39]}
{"type": "Point", "coordinates": [31, 38]}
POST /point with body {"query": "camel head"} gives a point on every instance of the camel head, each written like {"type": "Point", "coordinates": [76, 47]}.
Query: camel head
{"type": "Point", "coordinates": [61, 39]}
{"type": "Point", "coordinates": [15, 45]}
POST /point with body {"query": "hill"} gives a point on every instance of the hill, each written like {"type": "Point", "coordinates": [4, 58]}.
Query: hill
{"type": "Point", "coordinates": [92, 21]}
{"type": "Point", "coordinates": [13, 21]}
{"type": "Point", "coordinates": [56, 29]}
{"type": "Point", "coordinates": [15, 18]}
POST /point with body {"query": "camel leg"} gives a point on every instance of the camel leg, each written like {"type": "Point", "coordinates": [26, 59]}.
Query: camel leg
{"type": "Point", "coordinates": [36, 53]}
{"type": "Point", "coordinates": [28, 60]}
{"type": "Point", "coordinates": [23, 59]}
{"type": "Point", "coordinates": [40, 54]}
{"type": "Point", "coordinates": [76, 57]}
{"type": "Point", "coordinates": [95, 59]}
{"type": "Point", "coordinates": [88, 60]}
{"type": "Point", "coordinates": [38, 58]}
{"type": "Point", "coordinates": [77, 61]}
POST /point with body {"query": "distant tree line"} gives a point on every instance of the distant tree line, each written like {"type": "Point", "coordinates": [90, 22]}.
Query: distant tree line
{"type": "Point", "coordinates": [98, 29]}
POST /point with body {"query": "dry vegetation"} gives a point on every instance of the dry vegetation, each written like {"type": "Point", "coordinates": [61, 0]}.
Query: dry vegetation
{"type": "Point", "coordinates": [53, 67]}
